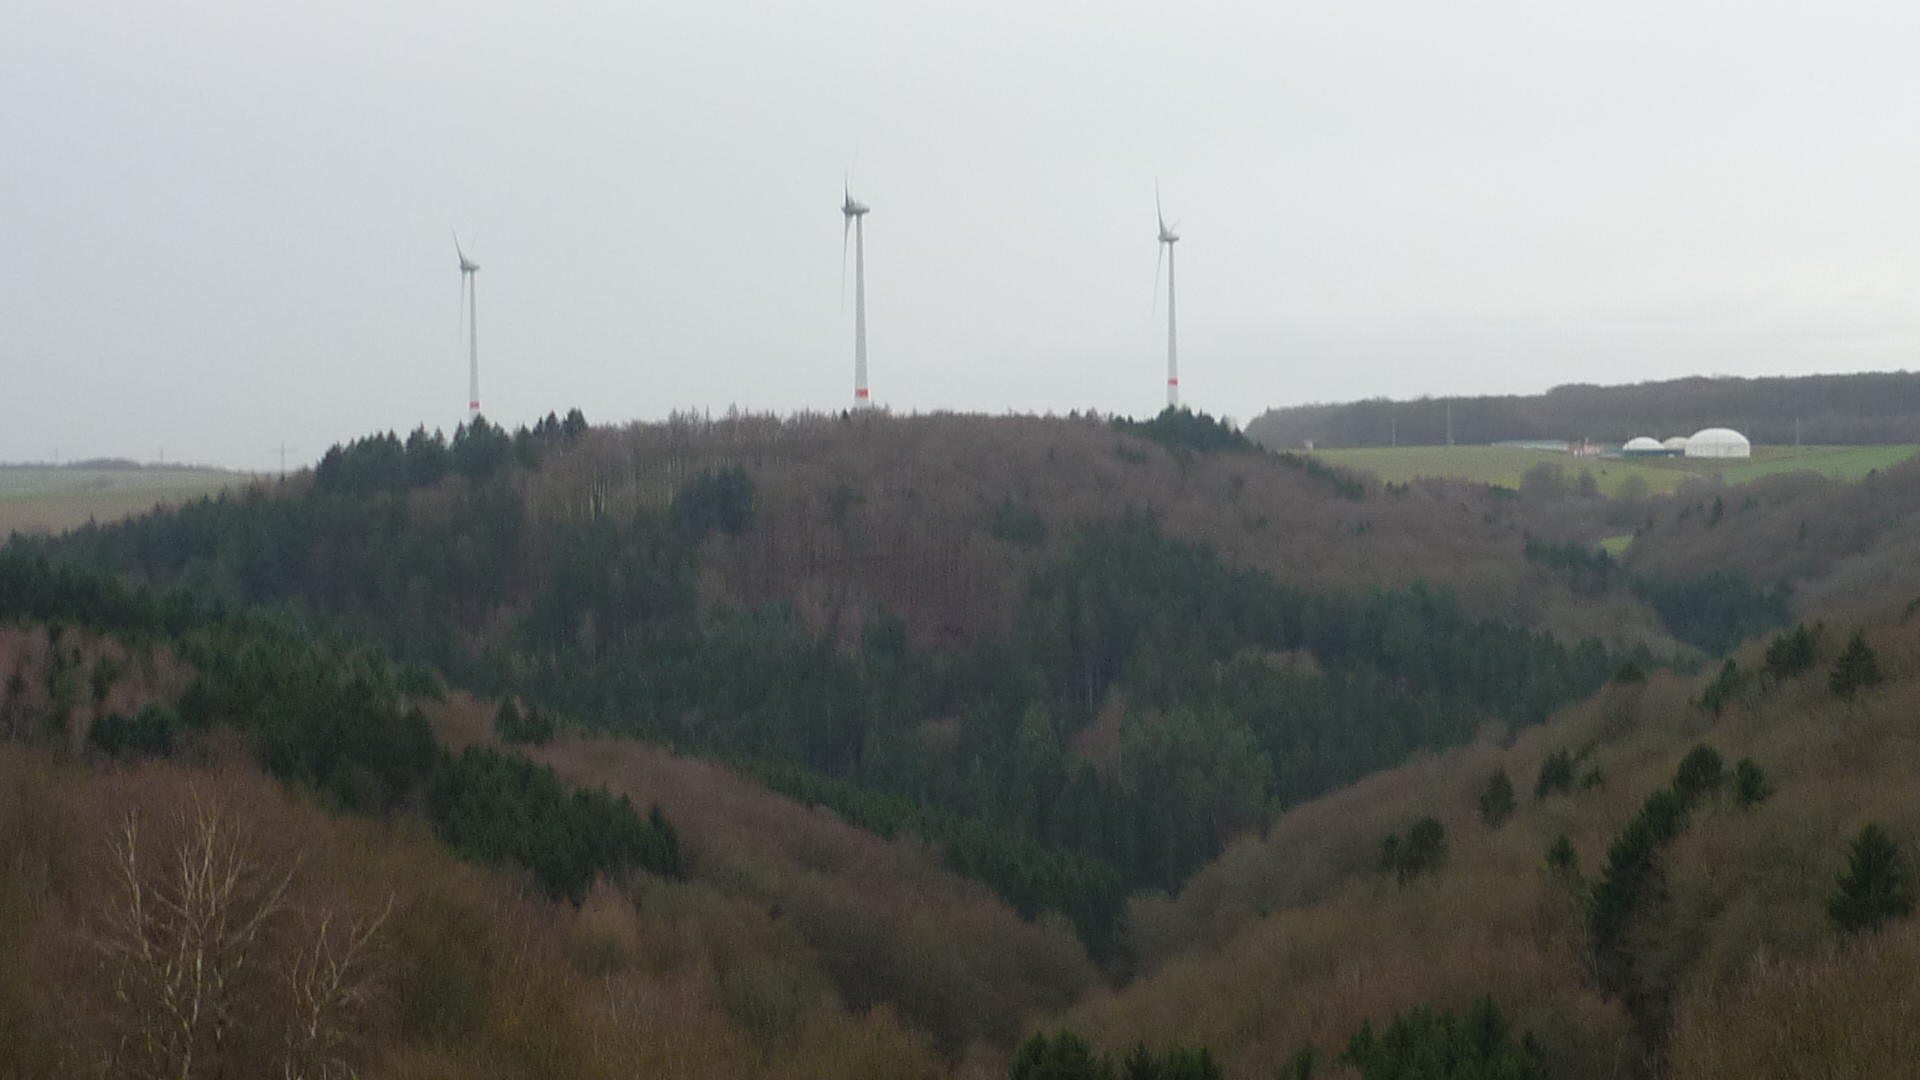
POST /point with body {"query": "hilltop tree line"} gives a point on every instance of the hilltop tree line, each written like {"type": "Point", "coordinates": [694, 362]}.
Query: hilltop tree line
{"type": "Point", "coordinates": [1221, 694]}
{"type": "Point", "coordinates": [1868, 408]}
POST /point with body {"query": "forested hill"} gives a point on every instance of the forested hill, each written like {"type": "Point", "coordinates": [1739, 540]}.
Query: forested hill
{"type": "Point", "coordinates": [1078, 658]}
{"type": "Point", "coordinates": [1869, 408]}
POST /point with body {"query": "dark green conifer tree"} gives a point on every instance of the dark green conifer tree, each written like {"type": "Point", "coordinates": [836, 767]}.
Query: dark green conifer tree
{"type": "Point", "coordinates": [1855, 670]}
{"type": "Point", "coordinates": [1496, 802]}
{"type": "Point", "coordinates": [1556, 775]}
{"type": "Point", "coordinates": [1063, 1057]}
{"type": "Point", "coordinates": [1561, 855]}
{"type": "Point", "coordinates": [1749, 784]}
{"type": "Point", "coordinates": [1300, 1065]}
{"type": "Point", "coordinates": [1790, 653]}
{"type": "Point", "coordinates": [1700, 774]}
{"type": "Point", "coordinates": [1874, 887]}
{"type": "Point", "coordinates": [1724, 688]}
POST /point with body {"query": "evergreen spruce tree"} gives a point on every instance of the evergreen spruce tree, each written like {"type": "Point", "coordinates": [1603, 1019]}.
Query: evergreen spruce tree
{"type": "Point", "coordinates": [1065, 1057]}
{"type": "Point", "coordinates": [1140, 1064]}
{"type": "Point", "coordinates": [1562, 857]}
{"type": "Point", "coordinates": [1724, 688]}
{"type": "Point", "coordinates": [1874, 887]}
{"type": "Point", "coordinates": [1556, 775]}
{"type": "Point", "coordinates": [1790, 653]}
{"type": "Point", "coordinates": [1856, 669]}
{"type": "Point", "coordinates": [1701, 773]}
{"type": "Point", "coordinates": [1496, 803]}
{"type": "Point", "coordinates": [1749, 784]}
{"type": "Point", "coordinates": [507, 721]}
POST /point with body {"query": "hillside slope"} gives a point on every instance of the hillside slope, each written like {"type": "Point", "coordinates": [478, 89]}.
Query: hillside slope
{"type": "Point", "coordinates": [1834, 543]}
{"type": "Point", "coordinates": [1076, 657]}
{"type": "Point", "coordinates": [1144, 800]}
{"type": "Point", "coordinates": [775, 938]}
{"type": "Point", "coordinates": [1297, 937]}
{"type": "Point", "coordinates": [460, 973]}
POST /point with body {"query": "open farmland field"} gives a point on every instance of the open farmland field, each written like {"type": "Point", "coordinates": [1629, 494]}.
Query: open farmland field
{"type": "Point", "coordinates": [55, 498]}
{"type": "Point", "coordinates": [1838, 462]}
{"type": "Point", "coordinates": [1504, 465]}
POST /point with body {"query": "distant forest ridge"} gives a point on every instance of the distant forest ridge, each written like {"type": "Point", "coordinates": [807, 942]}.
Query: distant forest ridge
{"type": "Point", "coordinates": [1864, 409]}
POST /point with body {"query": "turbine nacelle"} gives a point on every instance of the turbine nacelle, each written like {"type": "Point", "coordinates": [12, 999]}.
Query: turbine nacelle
{"type": "Point", "coordinates": [853, 209]}
{"type": "Point", "coordinates": [467, 266]}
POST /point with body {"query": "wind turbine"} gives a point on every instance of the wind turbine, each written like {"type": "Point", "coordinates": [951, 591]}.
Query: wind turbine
{"type": "Point", "coordinates": [469, 299]}
{"type": "Point", "coordinates": [1168, 238]}
{"type": "Point", "coordinates": [855, 213]}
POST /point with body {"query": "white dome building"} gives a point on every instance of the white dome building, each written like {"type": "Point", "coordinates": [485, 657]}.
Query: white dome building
{"type": "Point", "coordinates": [1718, 442]}
{"type": "Point", "coordinates": [1675, 445]}
{"type": "Point", "coordinates": [1642, 446]}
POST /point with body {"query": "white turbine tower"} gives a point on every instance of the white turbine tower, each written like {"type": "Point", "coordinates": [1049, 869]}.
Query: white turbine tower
{"type": "Point", "coordinates": [855, 214]}
{"type": "Point", "coordinates": [469, 299]}
{"type": "Point", "coordinates": [1168, 238]}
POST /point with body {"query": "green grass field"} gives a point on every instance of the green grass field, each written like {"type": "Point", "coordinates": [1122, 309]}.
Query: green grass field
{"type": "Point", "coordinates": [51, 499]}
{"type": "Point", "coordinates": [1504, 465]}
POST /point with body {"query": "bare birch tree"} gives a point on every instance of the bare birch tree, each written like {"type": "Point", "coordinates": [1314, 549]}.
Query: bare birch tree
{"type": "Point", "coordinates": [180, 943]}
{"type": "Point", "coordinates": [332, 984]}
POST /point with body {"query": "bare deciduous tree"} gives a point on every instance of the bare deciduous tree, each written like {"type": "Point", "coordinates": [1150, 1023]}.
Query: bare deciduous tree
{"type": "Point", "coordinates": [331, 983]}
{"type": "Point", "coordinates": [180, 946]}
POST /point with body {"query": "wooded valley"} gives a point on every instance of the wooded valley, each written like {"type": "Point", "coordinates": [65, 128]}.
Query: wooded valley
{"type": "Point", "coordinates": [876, 746]}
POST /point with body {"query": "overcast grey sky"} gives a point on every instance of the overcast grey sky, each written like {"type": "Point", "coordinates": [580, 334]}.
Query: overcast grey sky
{"type": "Point", "coordinates": [224, 225]}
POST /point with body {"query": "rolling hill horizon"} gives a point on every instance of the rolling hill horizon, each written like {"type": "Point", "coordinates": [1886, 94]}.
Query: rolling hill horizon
{"type": "Point", "coordinates": [932, 733]}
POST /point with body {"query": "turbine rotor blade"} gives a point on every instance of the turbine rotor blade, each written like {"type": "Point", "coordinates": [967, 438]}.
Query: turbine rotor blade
{"type": "Point", "coordinates": [1160, 256]}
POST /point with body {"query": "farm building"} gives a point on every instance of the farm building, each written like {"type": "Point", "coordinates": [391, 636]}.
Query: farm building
{"type": "Point", "coordinates": [1644, 447]}
{"type": "Point", "coordinates": [1675, 445]}
{"type": "Point", "coordinates": [1718, 442]}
